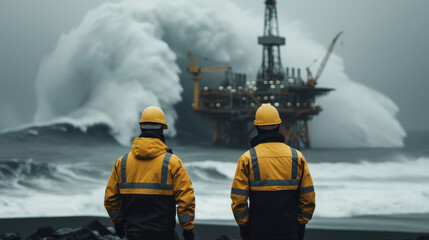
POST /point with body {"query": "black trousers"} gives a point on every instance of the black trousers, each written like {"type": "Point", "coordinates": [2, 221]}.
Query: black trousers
{"type": "Point", "coordinates": [152, 235]}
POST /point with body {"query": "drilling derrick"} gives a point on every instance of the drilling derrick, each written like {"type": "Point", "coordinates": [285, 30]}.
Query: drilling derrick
{"type": "Point", "coordinates": [271, 68]}
{"type": "Point", "coordinates": [231, 106]}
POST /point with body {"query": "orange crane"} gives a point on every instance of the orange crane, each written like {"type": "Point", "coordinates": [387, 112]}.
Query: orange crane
{"type": "Point", "coordinates": [311, 82]}
{"type": "Point", "coordinates": [196, 71]}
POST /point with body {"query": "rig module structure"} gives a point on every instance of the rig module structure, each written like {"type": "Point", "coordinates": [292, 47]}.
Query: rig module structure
{"type": "Point", "coordinates": [231, 107]}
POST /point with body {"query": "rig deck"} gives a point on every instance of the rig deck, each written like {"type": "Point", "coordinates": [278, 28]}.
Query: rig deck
{"type": "Point", "coordinates": [231, 109]}
{"type": "Point", "coordinates": [232, 105]}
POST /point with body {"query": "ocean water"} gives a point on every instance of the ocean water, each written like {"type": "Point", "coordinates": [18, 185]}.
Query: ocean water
{"type": "Point", "coordinates": [60, 170]}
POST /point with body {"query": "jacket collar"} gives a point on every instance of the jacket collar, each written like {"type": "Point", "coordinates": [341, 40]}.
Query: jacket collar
{"type": "Point", "coordinates": [153, 134]}
{"type": "Point", "coordinates": [267, 137]}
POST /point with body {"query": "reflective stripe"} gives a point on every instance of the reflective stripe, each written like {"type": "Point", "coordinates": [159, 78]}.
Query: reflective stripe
{"type": "Point", "coordinates": [114, 214]}
{"type": "Point", "coordinates": [265, 183]}
{"type": "Point", "coordinates": [124, 168]}
{"type": "Point", "coordinates": [255, 164]}
{"type": "Point", "coordinates": [164, 170]}
{"type": "Point", "coordinates": [306, 215]}
{"type": "Point", "coordinates": [294, 163]}
{"type": "Point", "coordinates": [144, 185]}
{"type": "Point", "coordinates": [242, 214]}
{"type": "Point", "coordinates": [306, 190]}
{"type": "Point", "coordinates": [186, 218]}
{"type": "Point", "coordinates": [240, 192]}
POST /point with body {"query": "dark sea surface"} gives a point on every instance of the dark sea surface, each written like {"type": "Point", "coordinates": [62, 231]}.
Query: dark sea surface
{"type": "Point", "coordinates": [61, 171]}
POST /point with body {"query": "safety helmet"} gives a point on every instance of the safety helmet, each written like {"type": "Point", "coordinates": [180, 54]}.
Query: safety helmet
{"type": "Point", "coordinates": [153, 115]}
{"type": "Point", "coordinates": [267, 115]}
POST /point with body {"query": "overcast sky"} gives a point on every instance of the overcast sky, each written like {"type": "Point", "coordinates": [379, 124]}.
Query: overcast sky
{"type": "Point", "coordinates": [384, 46]}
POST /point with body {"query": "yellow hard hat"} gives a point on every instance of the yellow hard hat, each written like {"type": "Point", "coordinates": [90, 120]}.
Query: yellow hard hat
{"type": "Point", "coordinates": [153, 115]}
{"type": "Point", "coordinates": [267, 115]}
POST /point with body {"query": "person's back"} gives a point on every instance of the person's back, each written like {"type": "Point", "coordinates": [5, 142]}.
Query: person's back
{"type": "Point", "coordinates": [276, 179]}
{"type": "Point", "coordinates": [147, 193]}
{"type": "Point", "coordinates": [145, 186]}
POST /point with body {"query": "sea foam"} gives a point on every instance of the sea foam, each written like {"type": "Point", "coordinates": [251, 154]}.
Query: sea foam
{"type": "Point", "coordinates": [342, 190]}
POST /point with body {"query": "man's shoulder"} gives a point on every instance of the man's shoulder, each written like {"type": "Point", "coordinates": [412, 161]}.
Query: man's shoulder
{"type": "Point", "coordinates": [246, 155]}
{"type": "Point", "coordinates": [120, 159]}
{"type": "Point", "coordinates": [300, 155]}
{"type": "Point", "coordinates": [174, 159]}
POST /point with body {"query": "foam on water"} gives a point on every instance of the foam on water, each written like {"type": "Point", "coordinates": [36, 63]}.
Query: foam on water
{"type": "Point", "coordinates": [22, 176]}
{"type": "Point", "coordinates": [32, 188]}
{"type": "Point", "coordinates": [51, 204]}
{"type": "Point", "coordinates": [124, 57]}
{"type": "Point", "coordinates": [342, 190]}
{"type": "Point", "coordinates": [372, 188]}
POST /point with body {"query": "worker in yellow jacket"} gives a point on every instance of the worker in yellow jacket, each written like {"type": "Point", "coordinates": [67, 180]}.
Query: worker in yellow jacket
{"type": "Point", "coordinates": [147, 183]}
{"type": "Point", "coordinates": [276, 179]}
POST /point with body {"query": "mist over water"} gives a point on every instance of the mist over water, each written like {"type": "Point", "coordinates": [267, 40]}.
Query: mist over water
{"type": "Point", "coordinates": [125, 56]}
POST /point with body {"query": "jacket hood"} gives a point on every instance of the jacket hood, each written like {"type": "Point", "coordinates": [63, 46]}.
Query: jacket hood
{"type": "Point", "coordinates": [148, 148]}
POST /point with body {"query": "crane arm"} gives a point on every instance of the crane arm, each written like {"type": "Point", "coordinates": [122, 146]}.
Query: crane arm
{"type": "Point", "coordinates": [325, 59]}
{"type": "Point", "coordinates": [193, 67]}
{"type": "Point", "coordinates": [192, 60]}
{"type": "Point", "coordinates": [215, 69]}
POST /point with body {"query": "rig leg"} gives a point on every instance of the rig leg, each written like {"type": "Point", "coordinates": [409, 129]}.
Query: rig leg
{"type": "Point", "coordinates": [306, 135]}
{"type": "Point", "coordinates": [284, 132]}
{"type": "Point", "coordinates": [216, 134]}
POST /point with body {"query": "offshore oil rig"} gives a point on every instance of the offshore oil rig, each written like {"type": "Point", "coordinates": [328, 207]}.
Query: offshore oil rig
{"type": "Point", "coordinates": [232, 105]}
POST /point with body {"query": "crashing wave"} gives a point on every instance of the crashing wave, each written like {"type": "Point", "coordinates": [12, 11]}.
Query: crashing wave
{"type": "Point", "coordinates": [124, 57]}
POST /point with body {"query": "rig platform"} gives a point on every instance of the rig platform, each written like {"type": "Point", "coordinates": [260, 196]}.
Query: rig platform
{"type": "Point", "coordinates": [232, 105]}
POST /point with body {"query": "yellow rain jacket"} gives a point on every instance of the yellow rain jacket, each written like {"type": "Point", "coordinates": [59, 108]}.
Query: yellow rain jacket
{"type": "Point", "coordinates": [146, 185]}
{"type": "Point", "coordinates": [277, 180]}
